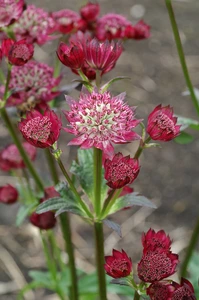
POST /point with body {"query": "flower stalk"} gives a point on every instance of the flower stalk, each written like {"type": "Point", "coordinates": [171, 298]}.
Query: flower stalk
{"type": "Point", "coordinates": [97, 158]}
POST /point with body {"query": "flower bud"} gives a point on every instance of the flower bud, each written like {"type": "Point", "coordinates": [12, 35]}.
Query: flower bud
{"type": "Point", "coordinates": [8, 194]}
{"type": "Point", "coordinates": [90, 11]}
{"type": "Point", "coordinates": [118, 265]}
{"type": "Point", "coordinates": [71, 56]}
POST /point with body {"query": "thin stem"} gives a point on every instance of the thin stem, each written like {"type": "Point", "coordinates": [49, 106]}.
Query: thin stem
{"type": "Point", "coordinates": [99, 246]}
{"type": "Point", "coordinates": [181, 54]}
{"type": "Point", "coordinates": [73, 188]}
{"type": "Point", "coordinates": [18, 143]}
{"type": "Point", "coordinates": [190, 249]}
{"type": "Point", "coordinates": [109, 202]}
{"type": "Point", "coordinates": [97, 158]}
{"type": "Point", "coordinates": [141, 147]}
{"type": "Point", "coordinates": [66, 231]}
{"type": "Point", "coordinates": [5, 96]}
{"type": "Point", "coordinates": [98, 79]}
{"type": "Point", "coordinates": [52, 166]}
{"type": "Point", "coordinates": [136, 296]}
{"type": "Point", "coordinates": [56, 250]}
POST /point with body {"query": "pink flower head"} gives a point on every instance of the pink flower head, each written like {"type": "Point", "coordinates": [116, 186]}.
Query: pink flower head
{"type": "Point", "coordinates": [98, 120]}
{"type": "Point", "coordinates": [155, 266]}
{"type": "Point", "coordinates": [71, 56]}
{"type": "Point", "coordinates": [156, 241]}
{"type": "Point", "coordinates": [68, 21]}
{"type": "Point", "coordinates": [18, 53]}
{"type": "Point", "coordinates": [111, 26]}
{"type": "Point", "coordinates": [160, 290]}
{"type": "Point", "coordinates": [45, 220]}
{"type": "Point", "coordinates": [118, 265]}
{"type": "Point", "coordinates": [162, 124]}
{"type": "Point", "coordinates": [121, 170]}
{"type": "Point", "coordinates": [34, 83]}
{"type": "Point", "coordinates": [183, 291]}
{"type": "Point", "coordinates": [35, 25]}
{"type": "Point", "coordinates": [39, 130]}
{"type": "Point", "coordinates": [141, 31]}
{"type": "Point", "coordinates": [90, 11]}
{"type": "Point", "coordinates": [10, 157]}
{"type": "Point", "coordinates": [102, 55]}
{"type": "Point", "coordinates": [8, 194]}
{"type": "Point", "coordinates": [10, 11]}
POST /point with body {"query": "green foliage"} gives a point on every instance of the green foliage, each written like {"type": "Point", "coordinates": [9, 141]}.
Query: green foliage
{"type": "Point", "coordinates": [105, 87]}
{"type": "Point", "coordinates": [23, 212]}
{"type": "Point", "coordinates": [187, 122]}
{"type": "Point", "coordinates": [130, 200]}
{"type": "Point", "coordinates": [194, 274]}
{"type": "Point", "coordinates": [184, 138]}
{"type": "Point", "coordinates": [84, 170]}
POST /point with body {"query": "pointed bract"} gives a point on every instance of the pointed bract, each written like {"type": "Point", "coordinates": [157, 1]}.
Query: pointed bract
{"type": "Point", "coordinates": [155, 241]}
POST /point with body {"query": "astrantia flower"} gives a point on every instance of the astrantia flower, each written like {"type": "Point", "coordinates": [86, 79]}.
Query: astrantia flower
{"type": "Point", "coordinates": [8, 194]}
{"type": "Point", "coordinates": [141, 30]}
{"type": "Point", "coordinates": [160, 290]}
{"type": "Point", "coordinates": [111, 26]}
{"type": "Point", "coordinates": [35, 25]}
{"type": "Point", "coordinates": [34, 83]}
{"type": "Point", "coordinates": [18, 53]}
{"type": "Point", "coordinates": [90, 11]}
{"type": "Point", "coordinates": [155, 266]}
{"type": "Point", "coordinates": [183, 291]}
{"type": "Point", "coordinates": [118, 265]}
{"type": "Point", "coordinates": [68, 21]}
{"type": "Point", "coordinates": [102, 55]}
{"type": "Point", "coordinates": [45, 220]}
{"type": "Point", "coordinates": [10, 157]}
{"type": "Point", "coordinates": [162, 124]}
{"type": "Point", "coordinates": [71, 56]}
{"type": "Point", "coordinates": [156, 241]}
{"type": "Point", "coordinates": [10, 11]}
{"type": "Point", "coordinates": [121, 170]}
{"type": "Point", "coordinates": [98, 120]}
{"type": "Point", "coordinates": [39, 130]}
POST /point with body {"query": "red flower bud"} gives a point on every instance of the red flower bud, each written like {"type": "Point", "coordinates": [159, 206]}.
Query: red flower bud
{"type": "Point", "coordinates": [162, 124]}
{"type": "Point", "coordinates": [141, 31]}
{"type": "Point", "coordinates": [71, 56]}
{"type": "Point", "coordinates": [183, 291]}
{"type": "Point", "coordinates": [160, 290]}
{"type": "Point", "coordinates": [156, 241]}
{"type": "Point", "coordinates": [122, 170]}
{"type": "Point", "coordinates": [90, 11]}
{"type": "Point", "coordinates": [18, 53]}
{"type": "Point", "coordinates": [118, 265]}
{"type": "Point", "coordinates": [8, 194]}
{"type": "Point", "coordinates": [39, 130]}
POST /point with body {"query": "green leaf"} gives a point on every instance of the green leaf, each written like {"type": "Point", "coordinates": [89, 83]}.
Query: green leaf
{"type": "Point", "coordinates": [105, 87]}
{"type": "Point", "coordinates": [193, 268]}
{"type": "Point", "coordinates": [30, 286]}
{"type": "Point", "coordinates": [71, 209]}
{"type": "Point", "coordinates": [187, 122]}
{"type": "Point", "coordinates": [184, 138]}
{"type": "Point", "coordinates": [84, 170]}
{"type": "Point", "coordinates": [23, 212]}
{"type": "Point", "coordinates": [130, 200]}
{"type": "Point", "coordinates": [66, 193]}
{"type": "Point", "coordinates": [51, 204]}
{"type": "Point", "coordinates": [42, 278]}
{"type": "Point", "coordinates": [116, 227]}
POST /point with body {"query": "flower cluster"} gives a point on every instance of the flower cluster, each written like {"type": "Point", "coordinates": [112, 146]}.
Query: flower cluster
{"type": "Point", "coordinates": [89, 55]}
{"type": "Point", "coordinates": [156, 264]}
{"type": "Point", "coordinates": [99, 119]}
{"type": "Point", "coordinates": [33, 83]}
{"type": "Point", "coordinates": [11, 11]}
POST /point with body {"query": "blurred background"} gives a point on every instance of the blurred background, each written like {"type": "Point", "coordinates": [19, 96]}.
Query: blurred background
{"type": "Point", "coordinates": [169, 175]}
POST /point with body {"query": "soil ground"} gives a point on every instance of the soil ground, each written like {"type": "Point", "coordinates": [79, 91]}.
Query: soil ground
{"type": "Point", "coordinates": [169, 175]}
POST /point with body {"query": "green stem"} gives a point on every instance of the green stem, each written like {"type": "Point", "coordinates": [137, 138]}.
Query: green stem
{"type": "Point", "coordinates": [66, 231]}
{"type": "Point", "coordinates": [109, 202]}
{"type": "Point", "coordinates": [56, 250]}
{"type": "Point", "coordinates": [181, 54]}
{"type": "Point", "coordinates": [98, 79]}
{"type": "Point", "coordinates": [99, 246]}
{"type": "Point", "coordinates": [136, 296]}
{"type": "Point", "coordinates": [190, 249]}
{"type": "Point", "coordinates": [73, 188]}
{"type": "Point", "coordinates": [52, 166]}
{"type": "Point", "coordinates": [18, 143]}
{"type": "Point", "coordinates": [5, 96]}
{"type": "Point", "coordinates": [141, 147]}
{"type": "Point", "coordinates": [97, 158]}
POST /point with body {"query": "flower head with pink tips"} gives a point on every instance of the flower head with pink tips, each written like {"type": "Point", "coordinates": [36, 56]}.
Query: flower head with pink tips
{"type": "Point", "coordinates": [98, 120]}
